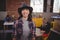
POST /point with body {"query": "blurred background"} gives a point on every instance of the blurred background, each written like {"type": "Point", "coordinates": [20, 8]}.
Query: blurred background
{"type": "Point", "coordinates": [46, 16]}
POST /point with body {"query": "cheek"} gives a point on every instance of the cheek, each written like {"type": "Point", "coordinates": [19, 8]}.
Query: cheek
{"type": "Point", "coordinates": [25, 13]}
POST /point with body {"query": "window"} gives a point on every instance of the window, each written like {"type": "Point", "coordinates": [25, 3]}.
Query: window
{"type": "Point", "coordinates": [2, 5]}
{"type": "Point", "coordinates": [37, 5]}
{"type": "Point", "coordinates": [56, 6]}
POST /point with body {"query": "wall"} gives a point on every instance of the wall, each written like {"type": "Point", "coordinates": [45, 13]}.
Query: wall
{"type": "Point", "coordinates": [13, 5]}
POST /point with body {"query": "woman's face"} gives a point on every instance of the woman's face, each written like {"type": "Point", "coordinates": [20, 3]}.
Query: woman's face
{"type": "Point", "coordinates": [25, 13]}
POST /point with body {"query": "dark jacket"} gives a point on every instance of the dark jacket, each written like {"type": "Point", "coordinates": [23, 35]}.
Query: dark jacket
{"type": "Point", "coordinates": [18, 28]}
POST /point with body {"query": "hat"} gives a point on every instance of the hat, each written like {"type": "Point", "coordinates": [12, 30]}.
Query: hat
{"type": "Point", "coordinates": [24, 6]}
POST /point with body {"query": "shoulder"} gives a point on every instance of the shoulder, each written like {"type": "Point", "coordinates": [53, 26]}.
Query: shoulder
{"type": "Point", "coordinates": [18, 21]}
{"type": "Point", "coordinates": [31, 22]}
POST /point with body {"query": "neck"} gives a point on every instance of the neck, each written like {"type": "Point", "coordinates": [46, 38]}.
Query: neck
{"type": "Point", "coordinates": [25, 18]}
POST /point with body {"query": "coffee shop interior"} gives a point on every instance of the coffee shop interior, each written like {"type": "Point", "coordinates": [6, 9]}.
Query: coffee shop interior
{"type": "Point", "coordinates": [45, 15]}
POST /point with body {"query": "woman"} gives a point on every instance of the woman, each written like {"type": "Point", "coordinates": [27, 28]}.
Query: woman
{"type": "Point", "coordinates": [24, 27]}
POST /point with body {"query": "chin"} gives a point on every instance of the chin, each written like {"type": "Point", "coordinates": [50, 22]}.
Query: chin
{"type": "Point", "coordinates": [25, 16]}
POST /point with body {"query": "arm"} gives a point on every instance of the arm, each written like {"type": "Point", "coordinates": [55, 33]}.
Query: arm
{"type": "Point", "coordinates": [14, 28]}
{"type": "Point", "coordinates": [34, 31]}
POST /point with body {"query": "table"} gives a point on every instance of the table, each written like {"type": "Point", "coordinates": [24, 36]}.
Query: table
{"type": "Point", "coordinates": [7, 32]}
{"type": "Point", "coordinates": [8, 23]}
{"type": "Point", "coordinates": [39, 32]}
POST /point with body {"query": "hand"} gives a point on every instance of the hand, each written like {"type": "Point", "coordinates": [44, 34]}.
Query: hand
{"type": "Point", "coordinates": [33, 38]}
{"type": "Point", "coordinates": [14, 39]}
